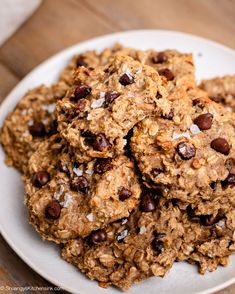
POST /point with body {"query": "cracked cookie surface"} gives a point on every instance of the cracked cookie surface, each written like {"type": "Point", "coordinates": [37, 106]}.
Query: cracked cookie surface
{"type": "Point", "coordinates": [67, 199]}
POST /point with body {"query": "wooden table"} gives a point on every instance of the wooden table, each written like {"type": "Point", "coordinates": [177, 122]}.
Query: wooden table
{"type": "Point", "coordinates": [58, 24]}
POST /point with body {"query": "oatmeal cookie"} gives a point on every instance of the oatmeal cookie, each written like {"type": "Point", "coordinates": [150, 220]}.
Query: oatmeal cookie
{"type": "Point", "coordinates": [32, 121]}
{"type": "Point", "coordinates": [208, 240]}
{"type": "Point", "coordinates": [175, 67]}
{"type": "Point", "coordinates": [105, 103]}
{"type": "Point", "coordinates": [130, 250]}
{"type": "Point", "coordinates": [221, 90]}
{"type": "Point", "coordinates": [190, 153]}
{"type": "Point", "coordinates": [67, 199]}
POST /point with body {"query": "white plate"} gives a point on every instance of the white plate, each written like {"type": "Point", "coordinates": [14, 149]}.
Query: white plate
{"type": "Point", "coordinates": [211, 59]}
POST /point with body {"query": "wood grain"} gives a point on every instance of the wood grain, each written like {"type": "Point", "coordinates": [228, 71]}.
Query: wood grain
{"type": "Point", "coordinates": [58, 24]}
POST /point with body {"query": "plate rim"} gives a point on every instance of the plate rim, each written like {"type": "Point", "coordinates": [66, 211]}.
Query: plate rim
{"type": "Point", "coordinates": [4, 234]}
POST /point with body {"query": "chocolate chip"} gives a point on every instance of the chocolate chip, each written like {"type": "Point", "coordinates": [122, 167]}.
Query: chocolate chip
{"type": "Point", "coordinates": [155, 172]}
{"type": "Point", "coordinates": [157, 245]}
{"type": "Point", "coordinates": [40, 178]}
{"type": "Point", "coordinates": [204, 121]}
{"type": "Point", "coordinates": [159, 58]}
{"type": "Point", "coordinates": [37, 129]}
{"type": "Point", "coordinates": [53, 210]}
{"type": "Point", "coordinates": [98, 236]}
{"type": "Point", "coordinates": [209, 220]}
{"type": "Point", "coordinates": [81, 92]}
{"type": "Point", "coordinates": [147, 203]}
{"type": "Point", "coordinates": [101, 143]}
{"type": "Point", "coordinates": [79, 184]}
{"type": "Point", "coordinates": [168, 116]}
{"type": "Point", "coordinates": [81, 62]}
{"type": "Point", "coordinates": [186, 150]}
{"type": "Point", "coordinates": [220, 145]}
{"type": "Point", "coordinates": [124, 193]}
{"type": "Point", "coordinates": [230, 180]}
{"type": "Point", "coordinates": [103, 165]}
{"type": "Point", "coordinates": [167, 73]}
{"type": "Point", "coordinates": [213, 185]}
{"type": "Point", "coordinates": [81, 105]}
{"type": "Point", "coordinates": [110, 97]}
{"type": "Point", "coordinates": [126, 79]}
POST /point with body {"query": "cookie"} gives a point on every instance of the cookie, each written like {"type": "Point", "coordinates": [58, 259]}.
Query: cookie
{"type": "Point", "coordinates": [221, 90]}
{"type": "Point", "coordinates": [133, 249]}
{"type": "Point", "coordinates": [175, 67]}
{"type": "Point", "coordinates": [99, 111]}
{"type": "Point", "coordinates": [190, 153]}
{"type": "Point", "coordinates": [67, 199]}
{"type": "Point", "coordinates": [31, 121]}
{"type": "Point", "coordinates": [208, 240]}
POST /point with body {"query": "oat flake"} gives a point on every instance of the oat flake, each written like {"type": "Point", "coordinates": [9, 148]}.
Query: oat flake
{"type": "Point", "coordinates": [67, 200]}
{"type": "Point", "coordinates": [176, 136]}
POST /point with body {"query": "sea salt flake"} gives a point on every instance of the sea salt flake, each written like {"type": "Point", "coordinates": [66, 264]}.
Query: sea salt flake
{"type": "Point", "coordinates": [24, 112]}
{"type": "Point", "coordinates": [102, 95]}
{"type": "Point", "coordinates": [142, 230]}
{"type": "Point", "coordinates": [78, 171]}
{"type": "Point", "coordinates": [124, 142]}
{"type": "Point", "coordinates": [89, 172]}
{"type": "Point", "coordinates": [195, 129]}
{"type": "Point", "coordinates": [229, 109]}
{"type": "Point", "coordinates": [122, 235]}
{"type": "Point", "coordinates": [124, 221]}
{"type": "Point", "coordinates": [139, 71]}
{"type": "Point", "coordinates": [58, 193]}
{"type": "Point", "coordinates": [30, 122]}
{"type": "Point", "coordinates": [49, 107]}
{"type": "Point", "coordinates": [176, 136]}
{"type": "Point", "coordinates": [97, 103]}
{"type": "Point", "coordinates": [89, 117]}
{"type": "Point", "coordinates": [90, 217]}
{"type": "Point", "coordinates": [68, 199]}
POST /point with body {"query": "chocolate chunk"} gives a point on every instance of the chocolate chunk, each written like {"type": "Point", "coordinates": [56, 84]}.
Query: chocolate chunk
{"type": "Point", "coordinates": [126, 79]}
{"type": "Point", "coordinates": [159, 236]}
{"type": "Point", "coordinates": [124, 193]}
{"type": "Point", "coordinates": [40, 178]}
{"type": "Point", "coordinates": [101, 143]}
{"type": "Point", "coordinates": [81, 62]}
{"type": "Point", "coordinates": [147, 203]}
{"type": "Point", "coordinates": [167, 73]}
{"type": "Point", "coordinates": [186, 151]}
{"type": "Point", "coordinates": [155, 172]}
{"type": "Point", "coordinates": [81, 105]}
{"type": "Point", "coordinates": [204, 121]}
{"type": "Point", "coordinates": [220, 145]}
{"type": "Point", "coordinates": [168, 116]}
{"type": "Point", "coordinates": [103, 165]}
{"type": "Point", "coordinates": [157, 245]}
{"type": "Point", "coordinates": [53, 210]}
{"type": "Point", "coordinates": [98, 236]}
{"type": "Point", "coordinates": [110, 97]}
{"type": "Point", "coordinates": [230, 180]}
{"type": "Point", "coordinates": [79, 184]}
{"type": "Point", "coordinates": [191, 214]}
{"type": "Point", "coordinates": [159, 58]}
{"type": "Point", "coordinates": [81, 92]}
{"type": "Point", "coordinates": [37, 129]}
{"type": "Point", "coordinates": [89, 137]}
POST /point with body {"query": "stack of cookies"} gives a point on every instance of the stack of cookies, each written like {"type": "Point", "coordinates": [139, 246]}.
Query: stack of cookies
{"type": "Point", "coordinates": [129, 164]}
